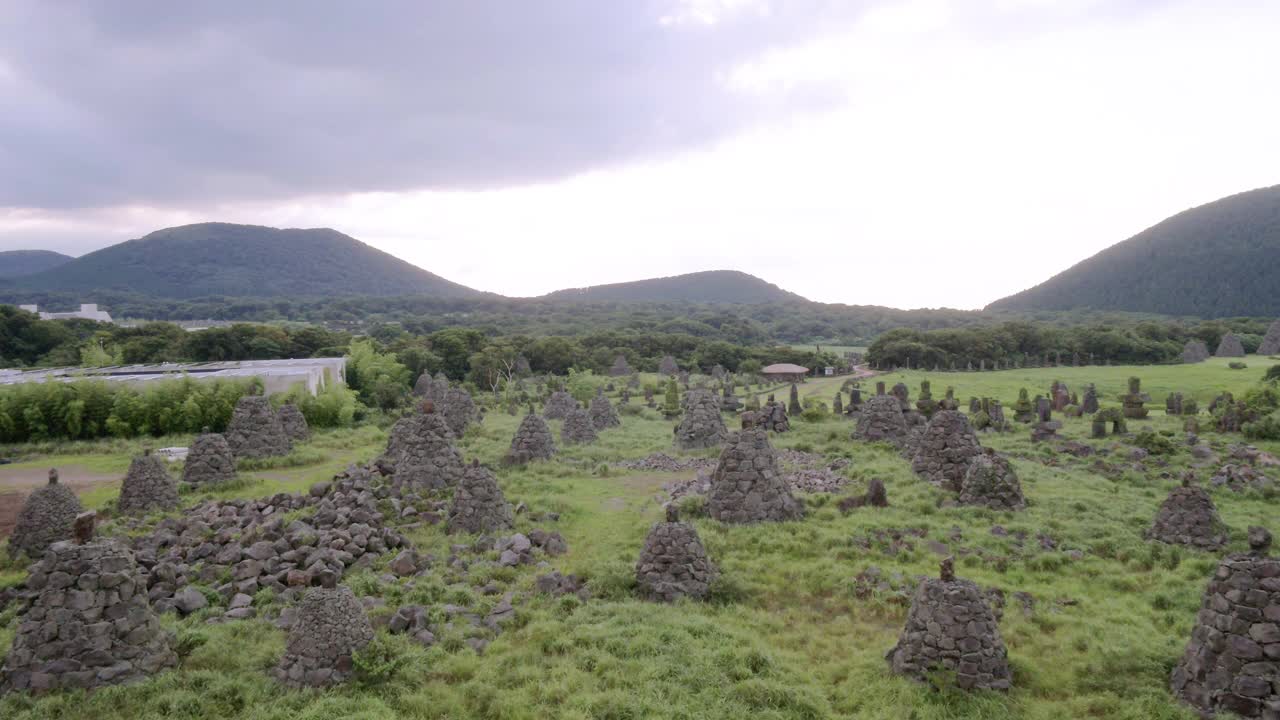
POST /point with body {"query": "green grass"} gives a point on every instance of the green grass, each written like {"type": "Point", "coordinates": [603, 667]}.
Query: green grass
{"type": "Point", "coordinates": [785, 635]}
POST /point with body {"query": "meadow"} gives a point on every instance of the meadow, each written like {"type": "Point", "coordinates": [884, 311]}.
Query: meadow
{"type": "Point", "coordinates": [1094, 620]}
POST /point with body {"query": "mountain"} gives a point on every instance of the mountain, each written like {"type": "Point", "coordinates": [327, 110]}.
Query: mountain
{"type": "Point", "coordinates": [16, 263]}
{"type": "Point", "coordinates": [242, 261]}
{"type": "Point", "coordinates": [1217, 260]}
{"type": "Point", "coordinates": [712, 286]}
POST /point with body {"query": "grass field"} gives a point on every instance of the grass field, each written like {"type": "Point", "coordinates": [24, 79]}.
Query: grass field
{"type": "Point", "coordinates": [785, 635]}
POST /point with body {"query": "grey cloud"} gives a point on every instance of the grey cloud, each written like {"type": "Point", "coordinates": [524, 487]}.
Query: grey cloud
{"type": "Point", "coordinates": [165, 103]}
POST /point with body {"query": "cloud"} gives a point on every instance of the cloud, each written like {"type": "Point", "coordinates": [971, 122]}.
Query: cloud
{"type": "Point", "coordinates": [164, 103]}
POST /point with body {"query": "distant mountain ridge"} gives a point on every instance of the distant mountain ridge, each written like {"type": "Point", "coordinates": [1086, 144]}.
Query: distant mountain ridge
{"type": "Point", "coordinates": [19, 263]}
{"type": "Point", "coordinates": [210, 259]}
{"type": "Point", "coordinates": [1221, 259]}
{"type": "Point", "coordinates": [711, 286]}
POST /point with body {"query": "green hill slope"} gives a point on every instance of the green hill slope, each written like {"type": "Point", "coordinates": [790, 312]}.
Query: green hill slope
{"type": "Point", "coordinates": [1217, 260]}
{"type": "Point", "coordinates": [712, 286]}
{"type": "Point", "coordinates": [17, 263]}
{"type": "Point", "coordinates": [243, 261]}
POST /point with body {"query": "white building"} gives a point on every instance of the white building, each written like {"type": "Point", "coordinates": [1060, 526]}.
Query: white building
{"type": "Point", "coordinates": [88, 311]}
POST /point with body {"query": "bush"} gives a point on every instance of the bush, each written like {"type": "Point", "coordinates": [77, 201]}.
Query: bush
{"type": "Point", "coordinates": [1155, 443]}
{"type": "Point", "coordinates": [1237, 365]}
{"type": "Point", "coordinates": [1267, 428]}
{"type": "Point", "coordinates": [335, 406]}
{"type": "Point", "coordinates": [1273, 374]}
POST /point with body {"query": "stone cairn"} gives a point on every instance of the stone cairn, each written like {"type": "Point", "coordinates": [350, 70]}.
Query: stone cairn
{"type": "Point", "coordinates": [209, 461]}
{"type": "Point", "coordinates": [729, 401]}
{"type": "Point", "coordinates": [673, 563]}
{"type": "Point", "coordinates": [1271, 341]}
{"type": "Point", "coordinates": [620, 367]}
{"type": "Point", "coordinates": [1189, 517]}
{"type": "Point", "coordinates": [1045, 428]}
{"type": "Point", "coordinates": [668, 366]}
{"type": "Point", "coordinates": [773, 417]}
{"type": "Point", "coordinates": [559, 405]}
{"type": "Point", "coordinates": [1230, 664]}
{"type": "Point", "coordinates": [881, 419]}
{"type": "Point", "coordinates": [1110, 415]}
{"type": "Point", "coordinates": [903, 395]}
{"type": "Point", "coordinates": [1173, 404]}
{"type": "Point", "coordinates": [991, 482]}
{"type": "Point", "coordinates": [1230, 346]}
{"type": "Point", "coordinates": [702, 425]}
{"type": "Point", "coordinates": [718, 372]}
{"type": "Point", "coordinates": [578, 429]}
{"type": "Point", "coordinates": [603, 416]}
{"type": "Point", "coordinates": [1090, 404]}
{"type": "Point", "coordinates": [46, 517]}
{"type": "Point", "coordinates": [422, 387]}
{"type": "Point", "coordinates": [522, 366]}
{"type": "Point", "coordinates": [459, 410]}
{"type": "Point", "coordinates": [1133, 400]}
{"type": "Point", "coordinates": [147, 486]}
{"type": "Point", "coordinates": [926, 405]}
{"type": "Point", "coordinates": [1059, 396]}
{"type": "Point", "coordinates": [532, 441]}
{"type": "Point", "coordinates": [478, 504]}
{"type": "Point", "coordinates": [747, 485]}
{"type": "Point", "coordinates": [420, 453]}
{"type": "Point", "coordinates": [1195, 351]}
{"type": "Point", "coordinates": [855, 401]}
{"type": "Point", "coordinates": [90, 623]}
{"type": "Point", "coordinates": [946, 449]}
{"type": "Point", "coordinates": [255, 430]}
{"type": "Point", "coordinates": [793, 403]}
{"type": "Point", "coordinates": [1023, 410]}
{"type": "Point", "coordinates": [951, 627]}
{"type": "Point", "coordinates": [837, 404]}
{"type": "Point", "coordinates": [331, 627]}
{"type": "Point", "coordinates": [294, 422]}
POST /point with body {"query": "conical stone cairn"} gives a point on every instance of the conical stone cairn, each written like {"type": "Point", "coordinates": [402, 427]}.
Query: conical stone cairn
{"type": "Point", "coordinates": [603, 416]}
{"type": "Point", "coordinates": [881, 420]}
{"type": "Point", "coordinates": [991, 482]}
{"type": "Point", "coordinates": [209, 461]}
{"type": "Point", "coordinates": [45, 518]}
{"type": "Point", "coordinates": [90, 624]}
{"type": "Point", "coordinates": [1189, 517]}
{"type": "Point", "coordinates": [1232, 662]}
{"type": "Point", "coordinates": [294, 422]}
{"type": "Point", "coordinates": [948, 446]}
{"type": "Point", "coordinates": [1271, 341]}
{"type": "Point", "coordinates": [421, 453]}
{"type": "Point", "coordinates": [147, 487]}
{"type": "Point", "coordinates": [559, 405]}
{"type": "Point", "coordinates": [578, 429]}
{"type": "Point", "coordinates": [255, 430]}
{"type": "Point", "coordinates": [459, 410]}
{"type": "Point", "coordinates": [478, 504]}
{"type": "Point", "coordinates": [532, 442]}
{"type": "Point", "coordinates": [747, 486]}
{"type": "Point", "coordinates": [950, 627]}
{"type": "Point", "coordinates": [1230, 346]}
{"type": "Point", "coordinates": [330, 629]}
{"type": "Point", "coordinates": [673, 563]}
{"type": "Point", "coordinates": [702, 426]}
{"type": "Point", "coordinates": [1195, 351]}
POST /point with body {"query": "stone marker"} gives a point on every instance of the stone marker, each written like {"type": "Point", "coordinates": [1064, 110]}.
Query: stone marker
{"type": "Point", "coordinates": [478, 504]}
{"type": "Point", "coordinates": [420, 451]}
{"type": "Point", "coordinates": [577, 428]}
{"type": "Point", "coordinates": [1195, 351]}
{"type": "Point", "coordinates": [673, 563]}
{"type": "Point", "coordinates": [45, 518]}
{"type": "Point", "coordinates": [991, 482]}
{"type": "Point", "coordinates": [531, 442]}
{"type": "Point", "coordinates": [331, 627]}
{"type": "Point", "coordinates": [559, 405]}
{"type": "Point", "coordinates": [1189, 517]}
{"type": "Point", "coordinates": [210, 461]}
{"type": "Point", "coordinates": [1230, 346]}
{"type": "Point", "coordinates": [603, 416]}
{"type": "Point", "coordinates": [702, 425]}
{"type": "Point", "coordinates": [747, 486]}
{"type": "Point", "coordinates": [294, 422]}
{"type": "Point", "coordinates": [255, 430]}
{"type": "Point", "coordinates": [946, 449]}
{"type": "Point", "coordinates": [147, 486]}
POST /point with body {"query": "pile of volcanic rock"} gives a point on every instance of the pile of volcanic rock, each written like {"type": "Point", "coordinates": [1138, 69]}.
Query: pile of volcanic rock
{"type": "Point", "coordinates": [578, 428]}
{"type": "Point", "coordinates": [331, 627]}
{"type": "Point", "coordinates": [747, 485]}
{"type": "Point", "coordinates": [255, 430]}
{"type": "Point", "coordinates": [294, 422]}
{"type": "Point", "coordinates": [991, 482]}
{"type": "Point", "coordinates": [532, 441]}
{"type": "Point", "coordinates": [662, 462]}
{"type": "Point", "coordinates": [946, 449]}
{"type": "Point", "coordinates": [147, 487]}
{"type": "Point", "coordinates": [603, 414]}
{"type": "Point", "coordinates": [420, 452]}
{"type": "Point", "coordinates": [702, 425]}
{"type": "Point", "coordinates": [881, 419]}
{"type": "Point", "coordinates": [559, 405]}
{"type": "Point", "coordinates": [459, 410]}
{"type": "Point", "coordinates": [673, 562]}
{"type": "Point", "coordinates": [1240, 478]}
{"type": "Point", "coordinates": [210, 461]}
{"type": "Point", "coordinates": [1189, 517]}
{"type": "Point", "coordinates": [521, 549]}
{"type": "Point", "coordinates": [45, 518]}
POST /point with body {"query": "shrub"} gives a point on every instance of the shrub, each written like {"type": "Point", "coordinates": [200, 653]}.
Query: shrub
{"type": "Point", "coordinates": [1266, 428]}
{"type": "Point", "coordinates": [1273, 374]}
{"type": "Point", "coordinates": [1237, 365]}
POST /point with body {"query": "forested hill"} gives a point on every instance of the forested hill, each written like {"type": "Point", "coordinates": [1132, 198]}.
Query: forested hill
{"type": "Point", "coordinates": [16, 263]}
{"type": "Point", "coordinates": [221, 259]}
{"type": "Point", "coordinates": [712, 286]}
{"type": "Point", "coordinates": [1217, 260]}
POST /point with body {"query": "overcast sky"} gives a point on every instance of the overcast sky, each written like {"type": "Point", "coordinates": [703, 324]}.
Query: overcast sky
{"type": "Point", "coordinates": [921, 153]}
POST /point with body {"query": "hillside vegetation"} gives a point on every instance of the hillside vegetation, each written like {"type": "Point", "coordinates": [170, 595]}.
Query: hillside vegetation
{"type": "Point", "coordinates": [244, 261]}
{"type": "Point", "coordinates": [712, 286]}
{"type": "Point", "coordinates": [17, 263]}
{"type": "Point", "coordinates": [1217, 260]}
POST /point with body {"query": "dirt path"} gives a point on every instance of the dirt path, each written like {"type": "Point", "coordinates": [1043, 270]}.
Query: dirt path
{"type": "Point", "coordinates": [16, 483]}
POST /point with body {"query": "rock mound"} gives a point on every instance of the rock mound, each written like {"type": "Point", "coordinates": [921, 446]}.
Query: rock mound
{"type": "Point", "coordinates": [673, 563]}
{"type": "Point", "coordinates": [90, 624]}
{"type": "Point", "coordinates": [991, 482]}
{"type": "Point", "coordinates": [881, 419]}
{"type": "Point", "coordinates": [478, 504]}
{"type": "Point", "coordinates": [210, 461]}
{"type": "Point", "coordinates": [420, 452]}
{"type": "Point", "coordinates": [458, 410]}
{"type": "Point", "coordinates": [331, 627]}
{"type": "Point", "coordinates": [951, 627]}
{"type": "Point", "coordinates": [1230, 664]}
{"type": "Point", "coordinates": [578, 428]}
{"type": "Point", "coordinates": [747, 486]}
{"type": "Point", "coordinates": [559, 405]}
{"type": "Point", "coordinates": [1189, 517]}
{"type": "Point", "coordinates": [946, 449]}
{"type": "Point", "coordinates": [603, 416]}
{"type": "Point", "coordinates": [1271, 341]}
{"type": "Point", "coordinates": [294, 422]}
{"type": "Point", "coordinates": [46, 517]}
{"type": "Point", "coordinates": [1195, 351]}
{"type": "Point", "coordinates": [147, 486]}
{"type": "Point", "coordinates": [773, 417]}
{"type": "Point", "coordinates": [255, 430]}
{"type": "Point", "coordinates": [1230, 346]}
{"type": "Point", "coordinates": [532, 442]}
{"type": "Point", "coordinates": [702, 425]}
